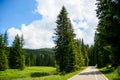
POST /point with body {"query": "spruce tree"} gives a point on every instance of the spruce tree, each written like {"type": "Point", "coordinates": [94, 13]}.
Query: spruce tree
{"type": "Point", "coordinates": [65, 44]}
{"type": "Point", "coordinates": [17, 56]}
{"type": "Point", "coordinates": [84, 50]}
{"type": "Point", "coordinates": [5, 44]}
{"type": "Point", "coordinates": [27, 61]}
{"type": "Point", "coordinates": [5, 39]}
{"type": "Point", "coordinates": [108, 29]}
{"type": "Point", "coordinates": [3, 57]}
{"type": "Point", "coordinates": [79, 59]}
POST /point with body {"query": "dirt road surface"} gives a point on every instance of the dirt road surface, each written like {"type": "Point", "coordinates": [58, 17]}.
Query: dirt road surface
{"type": "Point", "coordinates": [91, 73]}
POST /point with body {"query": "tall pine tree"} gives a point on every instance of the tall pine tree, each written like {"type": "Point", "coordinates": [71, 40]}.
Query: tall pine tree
{"type": "Point", "coordinates": [65, 44]}
{"type": "Point", "coordinates": [79, 56]}
{"type": "Point", "coordinates": [108, 30]}
{"type": "Point", "coordinates": [17, 56]}
{"type": "Point", "coordinates": [3, 57]}
{"type": "Point", "coordinates": [84, 52]}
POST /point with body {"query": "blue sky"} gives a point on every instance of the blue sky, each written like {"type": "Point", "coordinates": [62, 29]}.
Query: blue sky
{"type": "Point", "coordinates": [13, 13]}
{"type": "Point", "coordinates": [35, 19]}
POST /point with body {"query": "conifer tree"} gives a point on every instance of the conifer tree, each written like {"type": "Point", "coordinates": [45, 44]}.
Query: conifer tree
{"type": "Point", "coordinates": [5, 44]}
{"type": "Point", "coordinates": [17, 56]}
{"type": "Point", "coordinates": [65, 44]}
{"type": "Point", "coordinates": [108, 30]}
{"type": "Point", "coordinates": [79, 59]}
{"type": "Point", "coordinates": [3, 57]}
{"type": "Point", "coordinates": [84, 52]}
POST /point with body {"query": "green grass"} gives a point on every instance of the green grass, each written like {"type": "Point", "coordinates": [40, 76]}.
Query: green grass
{"type": "Point", "coordinates": [35, 73]}
{"type": "Point", "coordinates": [27, 72]}
{"type": "Point", "coordinates": [110, 74]}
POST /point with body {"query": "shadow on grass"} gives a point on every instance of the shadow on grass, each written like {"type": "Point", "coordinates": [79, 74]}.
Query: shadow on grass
{"type": "Point", "coordinates": [9, 78]}
{"type": "Point", "coordinates": [41, 74]}
{"type": "Point", "coordinates": [107, 71]}
{"type": "Point", "coordinates": [116, 79]}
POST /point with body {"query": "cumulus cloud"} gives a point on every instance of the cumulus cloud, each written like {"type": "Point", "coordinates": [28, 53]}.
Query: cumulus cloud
{"type": "Point", "coordinates": [81, 10]}
{"type": "Point", "coordinates": [38, 34]}
{"type": "Point", "coordinates": [13, 32]}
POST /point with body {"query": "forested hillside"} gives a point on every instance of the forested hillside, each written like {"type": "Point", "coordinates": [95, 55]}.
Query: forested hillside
{"type": "Point", "coordinates": [40, 57]}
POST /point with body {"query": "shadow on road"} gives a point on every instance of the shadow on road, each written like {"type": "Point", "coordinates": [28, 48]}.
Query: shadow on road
{"type": "Point", "coordinates": [90, 73]}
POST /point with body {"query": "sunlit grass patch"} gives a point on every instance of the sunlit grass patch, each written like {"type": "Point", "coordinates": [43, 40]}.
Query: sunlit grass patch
{"type": "Point", "coordinates": [36, 73]}
{"type": "Point", "coordinates": [27, 72]}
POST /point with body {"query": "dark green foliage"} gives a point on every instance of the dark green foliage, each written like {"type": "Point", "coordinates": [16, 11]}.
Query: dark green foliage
{"type": "Point", "coordinates": [70, 54]}
{"type": "Point", "coordinates": [79, 55]}
{"type": "Point", "coordinates": [92, 56]}
{"type": "Point", "coordinates": [3, 57]}
{"type": "Point", "coordinates": [40, 74]}
{"type": "Point", "coordinates": [40, 57]}
{"type": "Point", "coordinates": [118, 69]}
{"type": "Point", "coordinates": [27, 60]}
{"type": "Point", "coordinates": [107, 39]}
{"type": "Point", "coordinates": [5, 39]}
{"type": "Point", "coordinates": [65, 44]}
{"type": "Point", "coordinates": [5, 44]}
{"type": "Point", "coordinates": [17, 55]}
{"type": "Point", "coordinates": [84, 50]}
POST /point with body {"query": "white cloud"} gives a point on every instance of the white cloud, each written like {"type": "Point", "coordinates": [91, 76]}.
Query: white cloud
{"type": "Point", "coordinates": [83, 10]}
{"type": "Point", "coordinates": [13, 32]}
{"type": "Point", "coordinates": [38, 34]}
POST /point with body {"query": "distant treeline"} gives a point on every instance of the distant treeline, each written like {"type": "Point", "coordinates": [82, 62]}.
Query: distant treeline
{"type": "Point", "coordinates": [40, 57]}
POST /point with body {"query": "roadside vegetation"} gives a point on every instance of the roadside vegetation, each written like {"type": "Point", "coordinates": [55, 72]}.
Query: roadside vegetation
{"type": "Point", "coordinates": [105, 51]}
{"type": "Point", "coordinates": [110, 73]}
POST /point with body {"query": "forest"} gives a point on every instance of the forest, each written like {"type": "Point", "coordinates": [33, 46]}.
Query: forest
{"type": "Point", "coordinates": [15, 57]}
{"type": "Point", "coordinates": [105, 51]}
{"type": "Point", "coordinates": [40, 57]}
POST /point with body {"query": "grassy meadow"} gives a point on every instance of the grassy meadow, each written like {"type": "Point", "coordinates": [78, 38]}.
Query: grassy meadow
{"type": "Point", "coordinates": [35, 73]}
